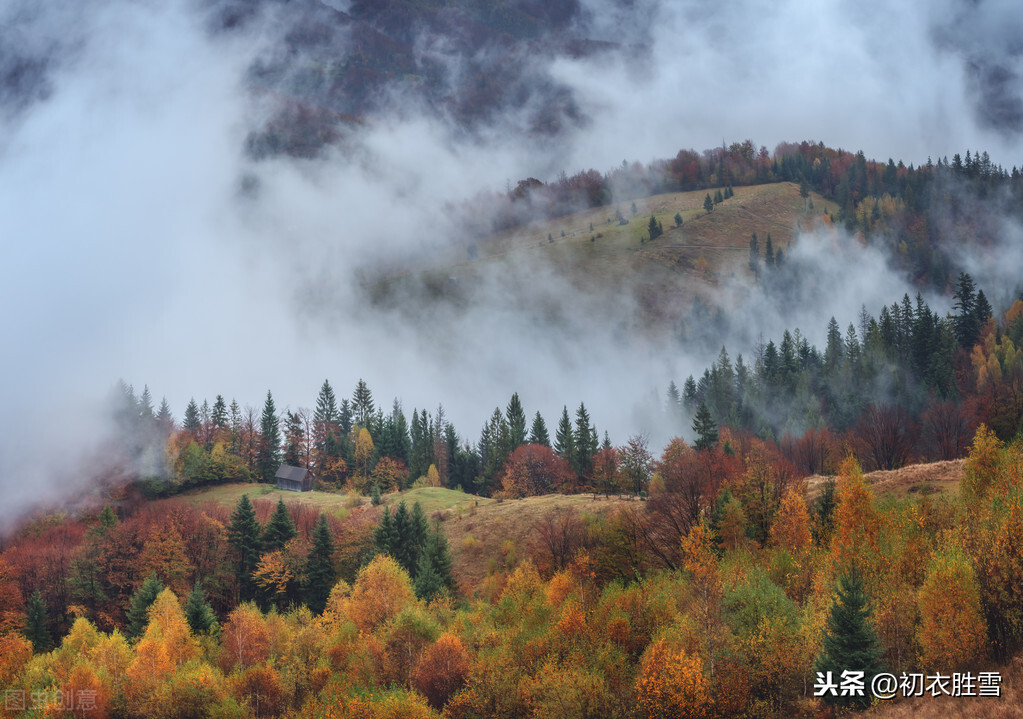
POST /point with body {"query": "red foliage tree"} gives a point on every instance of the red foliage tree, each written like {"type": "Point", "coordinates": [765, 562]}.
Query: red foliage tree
{"type": "Point", "coordinates": [535, 469]}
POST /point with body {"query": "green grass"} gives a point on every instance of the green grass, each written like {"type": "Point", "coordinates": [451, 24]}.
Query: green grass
{"type": "Point", "coordinates": [228, 495]}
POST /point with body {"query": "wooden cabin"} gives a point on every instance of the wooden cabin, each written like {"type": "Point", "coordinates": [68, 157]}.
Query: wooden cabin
{"type": "Point", "coordinates": [294, 479]}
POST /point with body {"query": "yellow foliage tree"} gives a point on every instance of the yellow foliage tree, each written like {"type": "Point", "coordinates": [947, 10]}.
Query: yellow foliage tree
{"type": "Point", "coordinates": [382, 590]}
{"type": "Point", "coordinates": [791, 528]}
{"type": "Point", "coordinates": [856, 520]}
{"type": "Point", "coordinates": [981, 470]}
{"type": "Point", "coordinates": [953, 634]}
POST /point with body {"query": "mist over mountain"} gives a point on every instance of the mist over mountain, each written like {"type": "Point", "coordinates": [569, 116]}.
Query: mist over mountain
{"type": "Point", "coordinates": [194, 194]}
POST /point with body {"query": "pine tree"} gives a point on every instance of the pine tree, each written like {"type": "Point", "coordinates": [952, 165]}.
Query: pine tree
{"type": "Point", "coordinates": [850, 642]}
{"type": "Point", "coordinates": [245, 536]}
{"type": "Point", "coordinates": [320, 574]}
{"type": "Point", "coordinates": [769, 251]}
{"type": "Point", "coordinates": [164, 418]}
{"type": "Point", "coordinates": [268, 453]}
{"type": "Point", "coordinates": [708, 204]}
{"type": "Point", "coordinates": [678, 219]}
{"type": "Point", "coordinates": [37, 628]}
{"type": "Point", "coordinates": [198, 613]}
{"type": "Point", "coordinates": [538, 433]}
{"type": "Point", "coordinates": [374, 495]}
{"type": "Point", "coordinates": [138, 612]}
{"type": "Point", "coordinates": [280, 529]}
{"type": "Point", "coordinates": [718, 197]}
{"type": "Point", "coordinates": [325, 415]}
{"type": "Point", "coordinates": [705, 428]}
{"type": "Point", "coordinates": [516, 423]}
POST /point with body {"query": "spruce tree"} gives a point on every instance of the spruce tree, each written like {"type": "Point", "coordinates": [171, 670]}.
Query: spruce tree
{"type": "Point", "coordinates": [268, 455]}
{"type": "Point", "coordinates": [708, 204]}
{"type": "Point", "coordinates": [245, 536]}
{"type": "Point", "coordinates": [705, 428]}
{"type": "Point", "coordinates": [141, 601]}
{"type": "Point", "coordinates": [383, 535]}
{"type": "Point", "coordinates": [564, 439]}
{"type": "Point", "coordinates": [586, 442]}
{"type": "Point", "coordinates": [198, 613]}
{"type": "Point", "coordinates": [37, 628]}
{"type": "Point", "coordinates": [362, 404]}
{"type": "Point", "coordinates": [219, 414]}
{"type": "Point", "coordinates": [433, 571]}
{"type": "Point", "coordinates": [320, 574]}
{"type": "Point", "coordinates": [280, 528]}
{"type": "Point", "coordinates": [374, 495]}
{"type": "Point", "coordinates": [192, 423]}
{"type": "Point", "coordinates": [516, 423]}
{"type": "Point", "coordinates": [850, 642]}
{"type": "Point", "coordinates": [538, 433]}
{"type": "Point", "coordinates": [678, 219]}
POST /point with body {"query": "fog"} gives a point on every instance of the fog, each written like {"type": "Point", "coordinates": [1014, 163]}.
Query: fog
{"type": "Point", "coordinates": [140, 240]}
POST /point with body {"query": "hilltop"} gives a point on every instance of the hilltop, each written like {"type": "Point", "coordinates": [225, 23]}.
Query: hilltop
{"type": "Point", "coordinates": [605, 260]}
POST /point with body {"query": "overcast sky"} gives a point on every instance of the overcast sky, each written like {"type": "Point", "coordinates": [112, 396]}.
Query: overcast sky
{"type": "Point", "coordinates": [129, 250]}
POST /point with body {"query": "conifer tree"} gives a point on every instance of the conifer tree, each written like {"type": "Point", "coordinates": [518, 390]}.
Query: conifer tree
{"type": "Point", "coordinates": [362, 404]}
{"type": "Point", "coordinates": [538, 433]}
{"type": "Point", "coordinates": [141, 601]}
{"type": "Point", "coordinates": [383, 535]}
{"type": "Point", "coordinates": [192, 423]}
{"type": "Point", "coordinates": [433, 571]}
{"type": "Point", "coordinates": [320, 574]}
{"type": "Point", "coordinates": [564, 439]}
{"type": "Point", "coordinates": [198, 613]}
{"type": "Point", "coordinates": [219, 415]}
{"type": "Point", "coordinates": [245, 536]}
{"type": "Point", "coordinates": [850, 642]}
{"type": "Point", "coordinates": [280, 529]}
{"type": "Point", "coordinates": [708, 204]}
{"type": "Point", "coordinates": [516, 423]}
{"type": "Point", "coordinates": [678, 219]}
{"type": "Point", "coordinates": [37, 628]}
{"type": "Point", "coordinates": [705, 428]}
{"type": "Point", "coordinates": [374, 495]}
{"type": "Point", "coordinates": [268, 453]}
{"type": "Point", "coordinates": [586, 442]}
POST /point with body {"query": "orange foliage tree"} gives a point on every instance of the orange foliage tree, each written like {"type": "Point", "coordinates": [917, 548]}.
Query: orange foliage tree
{"type": "Point", "coordinates": [671, 684]}
{"type": "Point", "coordinates": [442, 670]}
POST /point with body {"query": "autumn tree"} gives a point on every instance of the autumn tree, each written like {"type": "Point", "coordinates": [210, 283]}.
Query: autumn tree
{"type": "Point", "coordinates": [442, 670]}
{"type": "Point", "coordinates": [953, 634]}
{"type": "Point", "coordinates": [671, 683]}
{"type": "Point", "coordinates": [381, 591]}
{"type": "Point", "coordinates": [636, 463]}
{"type": "Point", "coordinates": [535, 469]}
